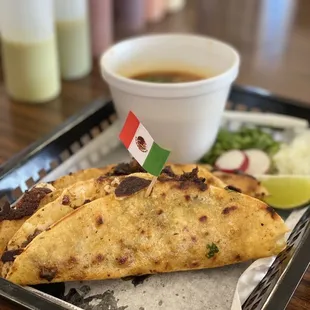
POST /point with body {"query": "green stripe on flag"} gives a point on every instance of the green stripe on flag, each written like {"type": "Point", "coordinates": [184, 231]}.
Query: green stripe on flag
{"type": "Point", "coordinates": [156, 160]}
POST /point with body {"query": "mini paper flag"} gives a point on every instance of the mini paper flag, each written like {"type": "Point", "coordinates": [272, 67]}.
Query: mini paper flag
{"type": "Point", "coordinates": [142, 146]}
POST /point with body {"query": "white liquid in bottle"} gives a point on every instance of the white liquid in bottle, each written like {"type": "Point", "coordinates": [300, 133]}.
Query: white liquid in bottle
{"type": "Point", "coordinates": [73, 38]}
{"type": "Point", "coordinates": [31, 70]}
{"type": "Point", "coordinates": [29, 52]}
{"type": "Point", "coordinates": [175, 5]}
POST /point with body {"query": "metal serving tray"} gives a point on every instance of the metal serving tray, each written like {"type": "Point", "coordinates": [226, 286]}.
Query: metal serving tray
{"type": "Point", "coordinates": [78, 134]}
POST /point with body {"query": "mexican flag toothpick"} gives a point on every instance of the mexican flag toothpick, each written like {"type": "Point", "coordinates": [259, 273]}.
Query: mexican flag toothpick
{"type": "Point", "coordinates": [143, 148]}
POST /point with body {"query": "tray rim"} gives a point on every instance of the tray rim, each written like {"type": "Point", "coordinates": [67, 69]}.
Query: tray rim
{"type": "Point", "coordinates": [283, 291]}
{"type": "Point", "coordinates": [25, 154]}
{"type": "Point", "coordinates": [35, 148]}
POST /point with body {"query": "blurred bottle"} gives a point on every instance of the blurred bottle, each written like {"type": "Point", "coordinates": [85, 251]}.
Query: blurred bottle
{"type": "Point", "coordinates": [0, 43]}
{"type": "Point", "coordinates": [101, 21]}
{"type": "Point", "coordinates": [29, 52]}
{"type": "Point", "coordinates": [129, 15]}
{"type": "Point", "coordinates": [73, 38]}
{"type": "Point", "coordinates": [174, 6]}
{"type": "Point", "coordinates": [155, 10]}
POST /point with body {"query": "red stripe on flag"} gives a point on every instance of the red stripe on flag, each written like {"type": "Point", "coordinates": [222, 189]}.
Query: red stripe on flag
{"type": "Point", "coordinates": [130, 127]}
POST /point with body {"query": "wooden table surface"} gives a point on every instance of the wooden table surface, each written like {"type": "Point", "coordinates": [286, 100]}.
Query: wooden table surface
{"type": "Point", "coordinates": [272, 37]}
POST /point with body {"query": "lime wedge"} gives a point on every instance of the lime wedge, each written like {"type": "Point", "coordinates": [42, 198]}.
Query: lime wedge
{"type": "Point", "coordinates": [286, 191]}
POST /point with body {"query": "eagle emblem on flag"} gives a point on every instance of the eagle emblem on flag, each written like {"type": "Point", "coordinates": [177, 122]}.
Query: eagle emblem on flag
{"type": "Point", "coordinates": [141, 144]}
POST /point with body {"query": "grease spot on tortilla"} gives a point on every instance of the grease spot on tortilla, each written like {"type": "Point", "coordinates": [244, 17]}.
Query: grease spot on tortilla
{"type": "Point", "coordinates": [194, 239]}
{"type": "Point", "coordinates": [194, 264]}
{"type": "Point", "coordinates": [65, 200]}
{"type": "Point", "coordinates": [98, 259]}
{"type": "Point", "coordinates": [31, 237]}
{"type": "Point", "coordinates": [227, 210]}
{"type": "Point", "coordinates": [122, 260]}
{"type": "Point", "coordinates": [101, 178]}
{"type": "Point", "coordinates": [72, 260]}
{"type": "Point", "coordinates": [271, 211]}
{"type": "Point", "coordinates": [203, 219]}
{"type": "Point", "coordinates": [187, 197]}
{"type": "Point", "coordinates": [48, 273]}
{"type": "Point", "coordinates": [167, 266]}
{"type": "Point", "coordinates": [99, 220]}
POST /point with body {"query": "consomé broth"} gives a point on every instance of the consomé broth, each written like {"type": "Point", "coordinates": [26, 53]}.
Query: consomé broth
{"type": "Point", "coordinates": [162, 76]}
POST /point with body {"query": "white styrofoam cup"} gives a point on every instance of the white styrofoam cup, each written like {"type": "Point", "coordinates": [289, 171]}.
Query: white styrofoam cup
{"type": "Point", "coordinates": [182, 117]}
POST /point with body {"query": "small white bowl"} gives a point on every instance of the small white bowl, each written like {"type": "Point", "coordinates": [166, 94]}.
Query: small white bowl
{"type": "Point", "coordinates": [182, 117]}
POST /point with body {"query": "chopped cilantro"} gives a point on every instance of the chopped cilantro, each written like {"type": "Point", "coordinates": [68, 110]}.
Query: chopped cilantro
{"type": "Point", "coordinates": [242, 139]}
{"type": "Point", "coordinates": [212, 250]}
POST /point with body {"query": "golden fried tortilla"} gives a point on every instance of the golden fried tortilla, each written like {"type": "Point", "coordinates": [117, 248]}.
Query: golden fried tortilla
{"type": "Point", "coordinates": [70, 199]}
{"type": "Point", "coordinates": [7, 231]}
{"type": "Point", "coordinates": [12, 218]}
{"type": "Point", "coordinates": [9, 228]}
{"type": "Point", "coordinates": [244, 182]}
{"type": "Point", "coordinates": [183, 225]}
{"type": "Point", "coordinates": [81, 175]}
{"type": "Point", "coordinates": [10, 225]}
{"type": "Point", "coordinates": [83, 192]}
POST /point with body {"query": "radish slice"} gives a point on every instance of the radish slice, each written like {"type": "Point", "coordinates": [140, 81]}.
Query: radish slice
{"type": "Point", "coordinates": [232, 160]}
{"type": "Point", "coordinates": [259, 162]}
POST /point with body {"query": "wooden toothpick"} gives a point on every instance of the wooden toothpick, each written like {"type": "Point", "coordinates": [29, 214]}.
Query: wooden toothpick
{"type": "Point", "coordinates": [149, 189]}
